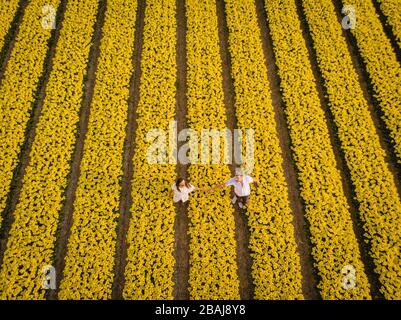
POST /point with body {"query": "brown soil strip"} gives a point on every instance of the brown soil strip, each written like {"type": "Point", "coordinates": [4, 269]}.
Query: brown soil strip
{"type": "Point", "coordinates": [30, 131]}
{"type": "Point", "coordinates": [181, 247]}
{"type": "Point", "coordinates": [11, 36]}
{"type": "Point", "coordinates": [374, 106]}
{"type": "Point", "coordinates": [340, 157]}
{"type": "Point", "coordinates": [387, 29]}
{"type": "Point", "coordinates": [126, 199]}
{"type": "Point", "coordinates": [244, 259]}
{"type": "Point", "coordinates": [310, 278]}
{"type": "Point", "coordinates": [66, 213]}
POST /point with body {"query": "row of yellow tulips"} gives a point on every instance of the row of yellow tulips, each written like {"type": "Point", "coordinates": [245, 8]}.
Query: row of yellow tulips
{"type": "Point", "coordinates": [8, 10]}
{"type": "Point", "coordinates": [382, 66]}
{"type": "Point", "coordinates": [31, 241]}
{"type": "Point", "coordinates": [379, 204]}
{"type": "Point", "coordinates": [213, 268]}
{"type": "Point", "coordinates": [392, 10]}
{"type": "Point", "coordinates": [150, 261]}
{"type": "Point", "coordinates": [89, 262]}
{"type": "Point", "coordinates": [18, 87]}
{"type": "Point", "coordinates": [327, 210]}
{"type": "Point", "coordinates": [276, 267]}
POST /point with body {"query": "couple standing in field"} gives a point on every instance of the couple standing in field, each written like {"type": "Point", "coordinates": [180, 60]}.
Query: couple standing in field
{"type": "Point", "coordinates": [241, 183]}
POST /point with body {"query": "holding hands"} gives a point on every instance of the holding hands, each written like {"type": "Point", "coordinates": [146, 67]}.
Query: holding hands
{"type": "Point", "coordinates": [181, 189]}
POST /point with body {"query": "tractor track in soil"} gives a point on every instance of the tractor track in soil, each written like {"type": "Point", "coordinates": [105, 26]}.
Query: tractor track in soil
{"type": "Point", "coordinates": [181, 224]}
{"type": "Point", "coordinates": [67, 210]}
{"type": "Point", "coordinates": [243, 256]}
{"type": "Point", "coordinates": [129, 149]}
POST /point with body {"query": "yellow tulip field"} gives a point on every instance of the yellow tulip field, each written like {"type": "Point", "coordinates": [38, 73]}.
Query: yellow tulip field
{"type": "Point", "coordinates": [104, 104]}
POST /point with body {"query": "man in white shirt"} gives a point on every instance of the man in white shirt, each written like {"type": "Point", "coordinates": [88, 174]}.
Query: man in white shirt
{"type": "Point", "coordinates": [242, 189]}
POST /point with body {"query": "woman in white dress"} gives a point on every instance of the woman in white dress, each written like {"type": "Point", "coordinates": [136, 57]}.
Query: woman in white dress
{"type": "Point", "coordinates": [181, 189]}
